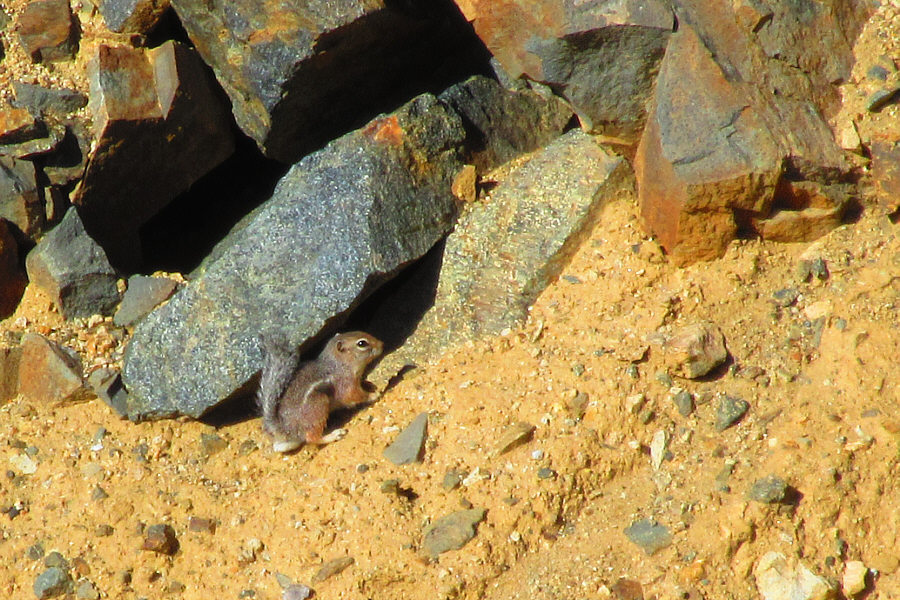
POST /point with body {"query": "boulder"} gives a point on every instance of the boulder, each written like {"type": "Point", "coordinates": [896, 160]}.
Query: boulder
{"type": "Point", "coordinates": [502, 124]}
{"type": "Point", "coordinates": [340, 222]}
{"type": "Point", "coordinates": [300, 73]}
{"type": "Point", "coordinates": [12, 278]}
{"type": "Point", "coordinates": [603, 58]}
{"type": "Point", "coordinates": [718, 142]}
{"type": "Point", "coordinates": [46, 30]}
{"type": "Point", "coordinates": [73, 270]}
{"type": "Point", "coordinates": [503, 253]}
{"type": "Point", "coordinates": [21, 201]}
{"type": "Point", "coordinates": [159, 126]}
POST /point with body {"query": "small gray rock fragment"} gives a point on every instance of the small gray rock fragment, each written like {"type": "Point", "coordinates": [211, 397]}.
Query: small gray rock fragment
{"type": "Point", "coordinates": [881, 98]}
{"type": "Point", "coordinates": [142, 296]}
{"type": "Point", "coordinates": [695, 350]}
{"type": "Point", "coordinates": [730, 411]}
{"type": "Point", "coordinates": [408, 445]}
{"type": "Point", "coordinates": [107, 385]}
{"type": "Point", "coordinates": [51, 583]}
{"type": "Point", "coordinates": [514, 436]}
{"type": "Point", "coordinates": [786, 297]}
{"type": "Point", "coordinates": [332, 568]}
{"type": "Point", "coordinates": [86, 591]}
{"type": "Point", "coordinates": [684, 402]}
{"type": "Point", "coordinates": [211, 443]}
{"type": "Point", "coordinates": [160, 538]}
{"type": "Point", "coordinates": [74, 270]}
{"type": "Point", "coordinates": [770, 489]}
{"type": "Point", "coordinates": [452, 532]}
{"type": "Point", "coordinates": [296, 591]}
{"type": "Point", "coordinates": [649, 535]}
{"type": "Point", "coordinates": [39, 99]}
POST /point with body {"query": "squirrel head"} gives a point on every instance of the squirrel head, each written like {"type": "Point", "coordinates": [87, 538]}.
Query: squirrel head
{"type": "Point", "coordinates": [355, 348]}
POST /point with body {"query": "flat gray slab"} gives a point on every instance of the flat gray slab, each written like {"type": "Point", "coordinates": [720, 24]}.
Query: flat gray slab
{"type": "Point", "coordinates": [505, 251]}
{"type": "Point", "coordinates": [340, 222]}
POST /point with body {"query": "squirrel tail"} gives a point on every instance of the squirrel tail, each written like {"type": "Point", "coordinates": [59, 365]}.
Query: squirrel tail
{"type": "Point", "coordinates": [279, 364]}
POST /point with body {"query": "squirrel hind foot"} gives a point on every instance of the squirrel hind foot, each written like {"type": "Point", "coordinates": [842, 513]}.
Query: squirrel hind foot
{"type": "Point", "coordinates": [284, 446]}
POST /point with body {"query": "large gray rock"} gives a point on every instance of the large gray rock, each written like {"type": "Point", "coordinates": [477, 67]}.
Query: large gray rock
{"type": "Point", "coordinates": [340, 222]}
{"type": "Point", "coordinates": [73, 270]}
{"type": "Point", "coordinates": [297, 71]}
{"type": "Point", "coordinates": [601, 56]}
{"type": "Point", "coordinates": [505, 252]}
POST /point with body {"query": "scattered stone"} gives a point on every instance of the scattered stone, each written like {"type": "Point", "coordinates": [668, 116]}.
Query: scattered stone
{"type": "Point", "coordinates": [514, 436]}
{"type": "Point", "coordinates": [452, 480]}
{"type": "Point", "coordinates": [104, 530]}
{"type": "Point", "coordinates": [546, 473]}
{"type": "Point", "coordinates": [211, 443]}
{"type": "Point", "coordinates": [49, 372]}
{"type": "Point", "coordinates": [203, 345]}
{"type": "Point", "coordinates": [730, 411]}
{"type": "Point", "coordinates": [695, 350]}
{"type": "Point", "coordinates": [452, 532]}
{"type": "Point", "coordinates": [659, 446]}
{"type": "Point", "coordinates": [296, 591]}
{"type": "Point", "coordinates": [18, 125]}
{"type": "Point", "coordinates": [142, 296]}
{"type": "Point", "coordinates": [779, 579]}
{"type": "Point", "coordinates": [46, 30]}
{"type": "Point", "coordinates": [770, 489]}
{"type": "Point", "coordinates": [132, 16]}
{"type": "Point", "coordinates": [463, 187]}
{"type": "Point", "coordinates": [853, 581]}
{"type": "Point", "coordinates": [40, 100]}
{"type": "Point", "coordinates": [159, 125]}
{"type": "Point", "coordinates": [332, 568]}
{"type": "Point", "coordinates": [51, 583]}
{"type": "Point", "coordinates": [503, 253]}
{"type": "Point", "coordinates": [66, 164]}
{"type": "Point", "coordinates": [503, 124]}
{"type": "Point", "coordinates": [175, 587]}
{"type": "Point", "coordinates": [649, 535]}
{"type": "Point", "coordinates": [98, 494]}
{"type": "Point", "coordinates": [85, 590]}
{"type": "Point", "coordinates": [603, 60]}
{"type": "Point", "coordinates": [804, 211]}
{"type": "Point", "coordinates": [35, 551]}
{"type": "Point", "coordinates": [786, 297]}
{"type": "Point", "coordinates": [627, 589]}
{"type": "Point", "coordinates": [249, 552]}
{"type": "Point", "coordinates": [73, 270]}
{"type": "Point", "coordinates": [634, 403]}
{"type": "Point", "coordinates": [20, 198]}
{"type": "Point", "coordinates": [881, 98]}
{"type": "Point", "coordinates": [160, 538]}
{"type": "Point", "coordinates": [408, 445]}
{"type": "Point", "coordinates": [12, 286]}
{"type": "Point", "coordinates": [812, 269]}
{"type": "Point", "coordinates": [200, 525]}
{"type": "Point", "coordinates": [684, 402]}
{"type": "Point", "coordinates": [107, 385]}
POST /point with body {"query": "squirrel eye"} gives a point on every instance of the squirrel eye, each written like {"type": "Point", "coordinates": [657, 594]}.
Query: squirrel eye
{"type": "Point", "coordinates": [362, 343]}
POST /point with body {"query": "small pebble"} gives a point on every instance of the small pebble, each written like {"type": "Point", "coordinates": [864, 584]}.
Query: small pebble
{"type": "Point", "coordinates": [684, 402]}
{"type": "Point", "coordinates": [103, 530]}
{"type": "Point", "coordinates": [632, 371]}
{"type": "Point", "coordinates": [730, 411]}
{"type": "Point", "coordinates": [452, 480]}
{"type": "Point", "coordinates": [98, 493]}
{"type": "Point", "coordinates": [175, 587]}
{"type": "Point", "coordinates": [35, 552]}
{"type": "Point", "coordinates": [514, 436]}
{"type": "Point", "coordinates": [201, 525]}
{"type": "Point", "coordinates": [86, 591]}
{"type": "Point", "coordinates": [296, 591]}
{"type": "Point", "coordinates": [408, 445]}
{"type": "Point", "coordinates": [853, 581]}
{"type": "Point", "coordinates": [664, 378]}
{"type": "Point", "coordinates": [332, 568]}
{"type": "Point", "coordinates": [877, 72]}
{"type": "Point", "coordinates": [52, 582]}
{"type": "Point", "coordinates": [770, 489]}
{"type": "Point", "coordinates": [55, 559]}
{"type": "Point", "coordinates": [160, 538]}
{"type": "Point", "coordinates": [211, 444]}
{"type": "Point", "coordinates": [390, 486]}
{"type": "Point", "coordinates": [546, 473]}
{"type": "Point", "coordinates": [649, 535]}
{"type": "Point", "coordinates": [881, 98]}
{"type": "Point", "coordinates": [362, 468]}
{"type": "Point", "coordinates": [537, 454]}
{"type": "Point", "coordinates": [283, 580]}
{"type": "Point", "coordinates": [786, 297]}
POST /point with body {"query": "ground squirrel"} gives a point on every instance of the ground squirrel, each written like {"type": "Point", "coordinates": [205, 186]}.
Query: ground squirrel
{"type": "Point", "coordinates": [296, 397]}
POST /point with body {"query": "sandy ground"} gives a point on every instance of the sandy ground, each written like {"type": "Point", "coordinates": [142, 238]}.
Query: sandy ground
{"type": "Point", "coordinates": [820, 378]}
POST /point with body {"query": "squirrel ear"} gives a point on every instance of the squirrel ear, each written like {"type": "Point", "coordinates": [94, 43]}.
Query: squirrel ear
{"type": "Point", "coordinates": [340, 345]}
